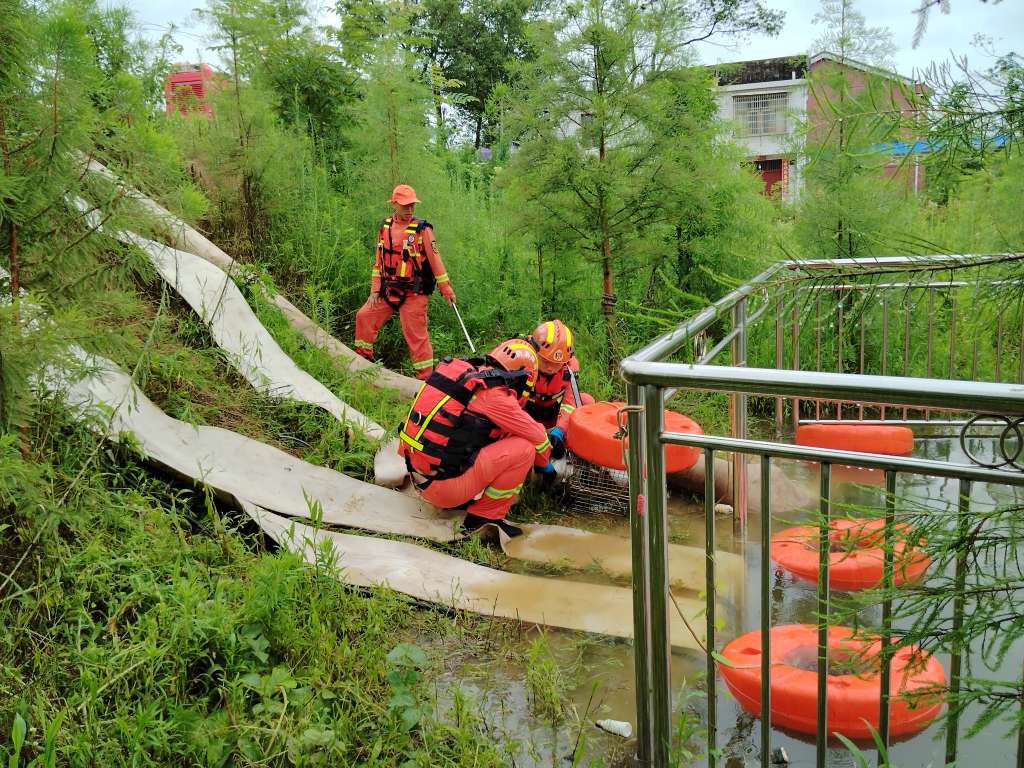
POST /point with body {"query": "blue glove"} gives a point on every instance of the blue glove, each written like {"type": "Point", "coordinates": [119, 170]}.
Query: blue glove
{"type": "Point", "coordinates": [557, 438]}
{"type": "Point", "coordinates": [547, 473]}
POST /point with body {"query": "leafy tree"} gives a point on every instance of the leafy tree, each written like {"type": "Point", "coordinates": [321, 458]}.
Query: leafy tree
{"type": "Point", "coordinates": [473, 44]}
{"type": "Point", "coordinates": [846, 33]}
{"type": "Point", "coordinates": [603, 110]}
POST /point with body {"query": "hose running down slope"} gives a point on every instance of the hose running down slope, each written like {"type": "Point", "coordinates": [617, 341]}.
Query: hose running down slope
{"type": "Point", "coordinates": [255, 475]}
{"type": "Point", "coordinates": [186, 238]}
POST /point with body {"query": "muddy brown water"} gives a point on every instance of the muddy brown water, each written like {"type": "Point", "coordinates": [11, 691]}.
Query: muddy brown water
{"type": "Point", "coordinates": [598, 673]}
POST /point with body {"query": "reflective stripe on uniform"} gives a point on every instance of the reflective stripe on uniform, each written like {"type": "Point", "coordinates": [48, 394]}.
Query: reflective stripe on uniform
{"type": "Point", "coordinates": [497, 493]}
{"type": "Point", "coordinates": [541, 447]}
{"type": "Point", "coordinates": [566, 408]}
{"type": "Point", "coordinates": [442, 278]}
{"type": "Point", "coordinates": [364, 344]}
{"type": "Point", "coordinates": [416, 444]}
{"type": "Point", "coordinates": [421, 364]}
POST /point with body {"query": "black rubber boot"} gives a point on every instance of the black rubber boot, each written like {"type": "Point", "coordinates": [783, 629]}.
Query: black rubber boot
{"type": "Point", "coordinates": [475, 522]}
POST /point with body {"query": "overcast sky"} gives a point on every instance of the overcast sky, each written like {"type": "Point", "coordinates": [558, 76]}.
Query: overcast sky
{"type": "Point", "coordinates": [1003, 22]}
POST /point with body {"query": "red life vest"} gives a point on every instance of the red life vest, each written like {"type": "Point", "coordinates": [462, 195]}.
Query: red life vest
{"type": "Point", "coordinates": [440, 438]}
{"type": "Point", "coordinates": [547, 395]}
{"type": "Point", "coordinates": [404, 266]}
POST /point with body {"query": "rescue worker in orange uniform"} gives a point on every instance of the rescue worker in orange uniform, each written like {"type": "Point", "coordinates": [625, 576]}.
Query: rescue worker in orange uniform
{"type": "Point", "coordinates": [467, 441]}
{"type": "Point", "coordinates": [406, 270]}
{"type": "Point", "coordinates": [556, 394]}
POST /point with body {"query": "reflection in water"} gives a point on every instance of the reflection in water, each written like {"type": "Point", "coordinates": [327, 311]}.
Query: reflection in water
{"type": "Point", "coordinates": [604, 678]}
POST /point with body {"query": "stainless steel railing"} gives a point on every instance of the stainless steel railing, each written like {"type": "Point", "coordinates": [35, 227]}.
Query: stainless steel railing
{"type": "Point", "coordinates": [791, 293]}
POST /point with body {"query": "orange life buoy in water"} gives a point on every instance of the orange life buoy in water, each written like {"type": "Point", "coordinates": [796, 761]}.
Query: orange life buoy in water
{"type": "Point", "coordinates": [856, 557]}
{"type": "Point", "coordinates": [853, 698]}
{"type": "Point", "coordinates": [864, 438]}
{"type": "Point", "coordinates": [592, 437]}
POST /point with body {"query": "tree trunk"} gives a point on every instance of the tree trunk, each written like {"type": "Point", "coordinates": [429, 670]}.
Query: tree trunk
{"type": "Point", "coordinates": [540, 277]}
{"type": "Point", "coordinates": [12, 229]}
{"type": "Point", "coordinates": [392, 138]}
{"type": "Point", "coordinates": [608, 289]}
{"type": "Point", "coordinates": [479, 127]}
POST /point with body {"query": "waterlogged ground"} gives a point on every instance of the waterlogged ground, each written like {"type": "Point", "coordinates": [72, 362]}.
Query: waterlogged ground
{"type": "Point", "coordinates": [547, 688]}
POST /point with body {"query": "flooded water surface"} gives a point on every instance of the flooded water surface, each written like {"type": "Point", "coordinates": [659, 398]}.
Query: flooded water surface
{"type": "Point", "coordinates": [597, 674]}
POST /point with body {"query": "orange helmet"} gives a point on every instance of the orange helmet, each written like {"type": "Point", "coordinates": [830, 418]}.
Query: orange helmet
{"type": "Point", "coordinates": [553, 341]}
{"type": "Point", "coordinates": [517, 355]}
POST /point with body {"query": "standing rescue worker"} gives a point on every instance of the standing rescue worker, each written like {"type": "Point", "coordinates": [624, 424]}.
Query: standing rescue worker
{"type": "Point", "coordinates": [406, 269]}
{"type": "Point", "coordinates": [467, 441]}
{"type": "Point", "coordinates": [554, 397]}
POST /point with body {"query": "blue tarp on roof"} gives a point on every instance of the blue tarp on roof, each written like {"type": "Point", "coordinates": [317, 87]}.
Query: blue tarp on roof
{"type": "Point", "coordinates": [923, 147]}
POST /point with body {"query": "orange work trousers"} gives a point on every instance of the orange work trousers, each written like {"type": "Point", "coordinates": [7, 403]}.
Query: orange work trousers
{"type": "Point", "coordinates": [498, 474]}
{"type": "Point", "coordinates": [413, 314]}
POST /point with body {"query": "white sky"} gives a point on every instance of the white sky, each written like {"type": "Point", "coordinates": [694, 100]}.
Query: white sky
{"type": "Point", "coordinates": [1002, 21]}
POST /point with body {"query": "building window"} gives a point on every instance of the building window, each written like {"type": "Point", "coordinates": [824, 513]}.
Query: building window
{"type": "Point", "coordinates": [760, 113]}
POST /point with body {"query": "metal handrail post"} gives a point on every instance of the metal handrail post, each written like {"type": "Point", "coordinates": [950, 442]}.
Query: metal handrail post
{"type": "Point", "coordinates": [639, 538]}
{"type": "Point", "coordinates": [738, 406]}
{"type": "Point", "coordinates": [656, 495]}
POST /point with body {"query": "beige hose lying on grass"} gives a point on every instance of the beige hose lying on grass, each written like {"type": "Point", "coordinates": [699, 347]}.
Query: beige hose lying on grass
{"type": "Point", "coordinates": [248, 472]}
{"type": "Point", "coordinates": [238, 467]}
{"type": "Point", "coordinates": [188, 239]}
{"type": "Point", "coordinates": [249, 346]}
{"type": "Point", "coordinates": [454, 583]}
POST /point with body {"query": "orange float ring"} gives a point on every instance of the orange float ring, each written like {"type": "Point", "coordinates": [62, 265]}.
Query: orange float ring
{"type": "Point", "coordinates": [853, 699]}
{"type": "Point", "coordinates": [856, 560]}
{"type": "Point", "coordinates": [592, 429]}
{"type": "Point", "coordinates": [863, 438]}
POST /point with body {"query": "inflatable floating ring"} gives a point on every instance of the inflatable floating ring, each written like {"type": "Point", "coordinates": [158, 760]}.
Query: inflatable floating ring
{"type": "Point", "coordinates": [856, 560]}
{"type": "Point", "coordinates": [592, 429]}
{"type": "Point", "coordinates": [864, 438]}
{"type": "Point", "coordinates": [853, 682]}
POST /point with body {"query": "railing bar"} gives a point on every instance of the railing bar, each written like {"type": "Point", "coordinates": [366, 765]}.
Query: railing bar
{"type": "Point", "coordinates": [999, 347]}
{"type": "Point", "coordinates": [911, 422]}
{"type": "Point", "coordinates": [709, 601]}
{"type": "Point", "coordinates": [888, 583]}
{"type": "Point", "coordinates": [956, 656]}
{"type": "Point", "coordinates": [796, 352]}
{"type": "Point", "coordinates": [931, 341]}
{"type": "Point", "coordinates": [860, 369]}
{"type": "Point", "coordinates": [1020, 366]}
{"type": "Point", "coordinates": [657, 522]}
{"type": "Point", "coordinates": [1020, 731]}
{"type": "Point", "coordinates": [906, 344]}
{"type": "Point", "coordinates": [817, 348]}
{"type": "Point", "coordinates": [951, 373]}
{"type": "Point", "coordinates": [851, 387]}
{"type": "Point", "coordinates": [665, 345]}
{"type": "Point", "coordinates": [779, 358]}
{"type": "Point", "coordinates": [824, 556]}
{"type": "Point", "coordinates": [766, 612]}
{"type": "Point", "coordinates": [885, 343]}
{"type": "Point", "coordinates": [974, 358]}
{"type": "Point", "coordinates": [839, 347]}
{"type": "Point", "coordinates": [712, 353]}
{"type": "Point", "coordinates": [639, 542]}
{"type": "Point", "coordinates": [872, 460]}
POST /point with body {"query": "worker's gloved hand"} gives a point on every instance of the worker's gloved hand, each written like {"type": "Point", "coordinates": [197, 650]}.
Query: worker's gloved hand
{"type": "Point", "coordinates": [547, 473]}
{"type": "Point", "coordinates": [557, 438]}
{"type": "Point", "coordinates": [447, 292]}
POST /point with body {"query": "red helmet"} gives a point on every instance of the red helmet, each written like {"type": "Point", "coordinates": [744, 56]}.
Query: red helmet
{"type": "Point", "coordinates": [517, 355]}
{"type": "Point", "coordinates": [553, 341]}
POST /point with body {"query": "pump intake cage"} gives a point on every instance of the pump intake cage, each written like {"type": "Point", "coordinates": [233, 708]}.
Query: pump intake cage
{"type": "Point", "coordinates": [591, 488]}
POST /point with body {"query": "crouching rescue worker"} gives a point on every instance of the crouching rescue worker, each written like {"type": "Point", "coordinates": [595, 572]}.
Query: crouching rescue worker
{"type": "Point", "coordinates": [406, 270]}
{"type": "Point", "coordinates": [467, 441]}
{"type": "Point", "coordinates": [556, 394]}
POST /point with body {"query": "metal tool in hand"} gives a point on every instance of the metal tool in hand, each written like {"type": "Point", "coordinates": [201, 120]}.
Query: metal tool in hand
{"type": "Point", "coordinates": [465, 333]}
{"type": "Point", "coordinates": [575, 388]}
